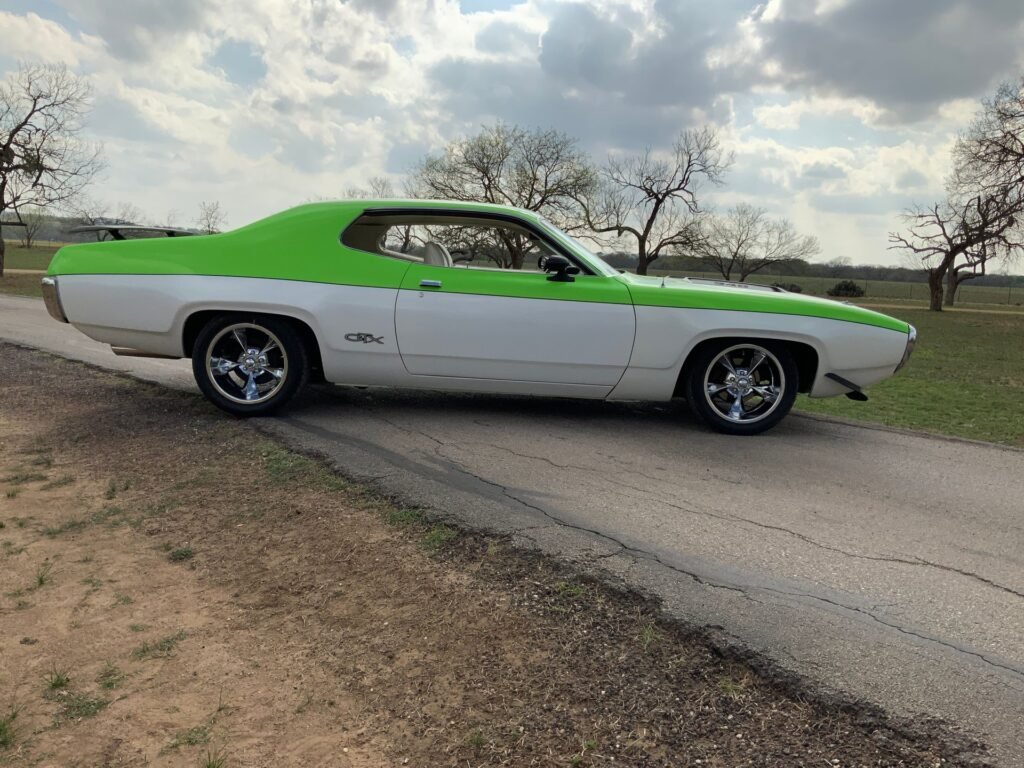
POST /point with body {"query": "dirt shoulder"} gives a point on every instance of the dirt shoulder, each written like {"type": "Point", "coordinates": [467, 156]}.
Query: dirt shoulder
{"type": "Point", "coordinates": [178, 590]}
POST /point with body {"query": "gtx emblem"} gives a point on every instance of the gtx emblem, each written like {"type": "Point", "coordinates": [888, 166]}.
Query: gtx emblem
{"type": "Point", "coordinates": [366, 338]}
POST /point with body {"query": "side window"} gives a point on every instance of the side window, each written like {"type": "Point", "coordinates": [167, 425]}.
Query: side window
{"type": "Point", "coordinates": [476, 246]}
{"type": "Point", "coordinates": [459, 243]}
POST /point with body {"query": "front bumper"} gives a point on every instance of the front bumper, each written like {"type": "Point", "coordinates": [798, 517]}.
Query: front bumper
{"type": "Point", "coordinates": [51, 298]}
{"type": "Point", "coordinates": [911, 342]}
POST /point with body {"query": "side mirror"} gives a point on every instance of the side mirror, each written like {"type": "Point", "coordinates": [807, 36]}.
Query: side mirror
{"type": "Point", "coordinates": [560, 269]}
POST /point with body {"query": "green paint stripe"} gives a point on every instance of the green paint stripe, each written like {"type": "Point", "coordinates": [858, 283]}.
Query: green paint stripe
{"type": "Point", "coordinates": [302, 245]}
{"type": "Point", "coordinates": [678, 294]}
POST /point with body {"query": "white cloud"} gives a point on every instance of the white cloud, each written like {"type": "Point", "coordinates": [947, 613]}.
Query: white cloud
{"type": "Point", "coordinates": [787, 116]}
{"type": "Point", "coordinates": [32, 38]}
{"type": "Point", "coordinates": [323, 94]}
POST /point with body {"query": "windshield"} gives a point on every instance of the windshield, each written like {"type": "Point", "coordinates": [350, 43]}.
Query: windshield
{"type": "Point", "coordinates": [579, 249]}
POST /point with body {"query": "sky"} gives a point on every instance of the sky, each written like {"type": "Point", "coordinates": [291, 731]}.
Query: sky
{"type": "Point", "coordinates": [840, 113]}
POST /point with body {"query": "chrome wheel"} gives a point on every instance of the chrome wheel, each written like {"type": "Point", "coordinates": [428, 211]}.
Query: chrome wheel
{"type": "Point", "coordinates": [744, 383]}
{"type": "Point", "coordinates": [246, 363]}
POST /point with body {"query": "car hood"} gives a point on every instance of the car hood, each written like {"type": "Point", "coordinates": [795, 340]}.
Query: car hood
{"type": "Point", "coordinates": [690, 293]}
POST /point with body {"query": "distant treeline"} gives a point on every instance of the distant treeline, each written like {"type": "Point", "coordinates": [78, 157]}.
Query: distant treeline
{"type": "Point", "coordinates": [52, 229]}
{"type": "Point", "coordinates": [800, 268]}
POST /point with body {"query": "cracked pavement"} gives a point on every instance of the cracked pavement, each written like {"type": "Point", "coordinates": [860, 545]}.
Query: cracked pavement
{"type": "Point", "coordinates": [883, 564]}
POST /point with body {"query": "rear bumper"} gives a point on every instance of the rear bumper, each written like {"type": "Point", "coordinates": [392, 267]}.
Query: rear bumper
{"type": "Point", "coordinates": [51, 298]}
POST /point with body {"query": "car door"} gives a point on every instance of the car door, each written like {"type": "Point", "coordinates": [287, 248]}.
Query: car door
{"type": "Point", "coordinates": [514, 325]}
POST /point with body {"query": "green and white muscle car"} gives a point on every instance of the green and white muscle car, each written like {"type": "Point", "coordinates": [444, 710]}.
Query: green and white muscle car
{"type": "Point", "coordinates": [460, 296]}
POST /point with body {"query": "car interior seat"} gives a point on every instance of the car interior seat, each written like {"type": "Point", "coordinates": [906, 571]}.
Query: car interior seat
{"type": "Point", "coordinates": [437, 254]}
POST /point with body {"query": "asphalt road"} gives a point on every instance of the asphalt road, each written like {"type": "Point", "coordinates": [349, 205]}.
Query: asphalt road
{"type": "Point", "coordinates": [883, 564]}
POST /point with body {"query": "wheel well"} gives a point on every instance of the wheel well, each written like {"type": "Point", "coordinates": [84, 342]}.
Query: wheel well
{"type": "Point", "coordinates": [195, 322]}
{"type": "Point", "coordinates": [804, 355]}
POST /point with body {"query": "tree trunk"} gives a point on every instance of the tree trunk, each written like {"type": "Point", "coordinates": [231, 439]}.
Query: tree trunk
{"type": "Point", "coordinates": [951, 286]}
{"type": "Point", "coordinates": [3, 248]}
{"type": "Point", "coordinates": [642, 262]}
{"type": "Point", "coordinates": [935, 291]}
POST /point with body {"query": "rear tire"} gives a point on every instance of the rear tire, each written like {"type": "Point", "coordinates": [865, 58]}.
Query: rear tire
{"type": "Point", "coordinates": [742, 387]}
{"type": "Point", "coordinates": [249, 365]}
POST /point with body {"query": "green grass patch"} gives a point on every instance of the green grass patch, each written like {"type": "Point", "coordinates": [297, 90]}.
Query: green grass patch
{"type": "Point", "coordinates": [284, 466]}
{"type": "Point", "coordinates": [78, 706]}
{"type": "Point", "coordinates": [57, 679]}
{"type": "Point", "coordinates": [193, 737]}
{"type": "Point", "coordinates": [160, 648]}
{"type": "Point", "coordinates": [214, 760]}
{"type": "Point", "coordinates": [181, 554]}
{"type": "Point", "coordinates": [568, 589]}
{"type": "Point", "coordinates": [110, 677]}
{"type": "Point", "coordinates": [438, 536]}
{"type": "Point", "coordinates": [43, 575]}
{"type": "Point", "coordinates": [403, 516]}
{"type": "Point", "coordinates": [7, 728]}
{"type": "Point", "coordinates": [650, 635]}
{"type": "Point", "coordinates": [965, 370]}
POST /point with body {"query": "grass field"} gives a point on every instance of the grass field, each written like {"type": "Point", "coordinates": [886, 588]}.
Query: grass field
{"type": "Point", "coordinates": [966, 378]}
{"type": "Point", "coordinates": [37, 257]}
{"type": "Point", "coordinates": [21, 285]}
{"type": "Point", "coordinates": [17, 257]}
{"type": "Point", "coordinates": [878, 290]}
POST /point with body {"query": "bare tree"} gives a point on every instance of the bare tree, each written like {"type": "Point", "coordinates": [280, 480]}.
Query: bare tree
{"type": "Point", "coordinates": [745, 240]}
{"type": "Point", "coordinates": [400, 238]}
{"type": "Point", "coordinates": [656, 200]}
{"type": "Point", "coordinates": [210, 219]}
{"type": "Point", "coordinates": [90, 210]}
{"type": "Point", "coordinates": [980, 222]}
{"type": "Point", "coordinates": [989, 156]}
{"type": "Point", "coordinates": [32, 221]}
{"type": "Point", "coordinates": [128, 213]}
{"type": "Point", "coordinates": [540, 170]}
{"type": "Point", "coordinates": [44, 162]}
{"type": "Point", "coordinates": [956, 239]}
{"type": "Point", "coordinates": [377, 188]}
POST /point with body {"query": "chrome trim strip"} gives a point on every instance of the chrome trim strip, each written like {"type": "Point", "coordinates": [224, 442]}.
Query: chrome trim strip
{"type": "Point", "coordinates": [51, 298]}
{"type": "Point", "coordinates": [129, 352]}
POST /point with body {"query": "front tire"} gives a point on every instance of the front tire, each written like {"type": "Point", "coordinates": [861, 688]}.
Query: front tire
{"type": "Point", "coordinates": [742, 387]}
{"type": "Point", "coordinates": [249, 365]}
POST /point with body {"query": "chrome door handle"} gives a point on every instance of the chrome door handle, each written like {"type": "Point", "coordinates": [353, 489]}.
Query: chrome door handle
{"type": "Point", "coordinates": [430, 283]}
